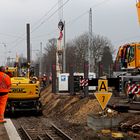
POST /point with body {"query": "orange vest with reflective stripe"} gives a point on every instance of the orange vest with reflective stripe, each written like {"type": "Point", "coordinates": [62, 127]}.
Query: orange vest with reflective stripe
{"type": "Point", "coordinates": [5, 82]}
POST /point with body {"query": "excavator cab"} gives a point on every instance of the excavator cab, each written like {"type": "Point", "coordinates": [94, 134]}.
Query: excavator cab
{"type": "Point", "coordinates": [128, 56]}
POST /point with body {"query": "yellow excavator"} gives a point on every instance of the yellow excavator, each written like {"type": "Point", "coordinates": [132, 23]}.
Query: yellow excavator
{"type": "Point", "coordinates": [24, 93]}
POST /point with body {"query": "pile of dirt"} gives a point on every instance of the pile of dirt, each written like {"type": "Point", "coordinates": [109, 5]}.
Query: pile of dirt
{"type": "Point", "coordinates": [70, 113]}
{"type": "Point", "coordinates": [72, 109]}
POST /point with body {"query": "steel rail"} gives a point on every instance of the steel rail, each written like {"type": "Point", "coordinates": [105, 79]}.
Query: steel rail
{"type": "Point", "coordinates": [61, 133]}
{"type": "Point", "coordinates": [25, 133]}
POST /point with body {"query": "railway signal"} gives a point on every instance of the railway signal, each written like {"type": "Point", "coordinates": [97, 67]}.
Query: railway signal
{"type": "Point", "coordinates": [103, 96]}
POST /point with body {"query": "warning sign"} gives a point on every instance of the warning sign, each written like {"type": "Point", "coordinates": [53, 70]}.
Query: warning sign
{"type": "Point", "coordinates": [102, 86]}
{"type": "Point", "coordinates": [103, 98]}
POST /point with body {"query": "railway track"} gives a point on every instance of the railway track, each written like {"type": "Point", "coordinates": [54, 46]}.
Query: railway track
{"type": "Point", "coordinates": [38, 129]}
{"type": "Point", "coordinates": [51, 133]}
{"type": "Point", "coordinates": [54, 132]}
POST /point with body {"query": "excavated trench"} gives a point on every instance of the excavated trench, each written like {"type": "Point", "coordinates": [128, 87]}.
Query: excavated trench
{"type": "Point", "coordinates": [69, 113]}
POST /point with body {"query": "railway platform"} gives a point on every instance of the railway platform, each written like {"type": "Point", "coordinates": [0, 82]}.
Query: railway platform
{"type": "Point", "coordinates": [8, 131]}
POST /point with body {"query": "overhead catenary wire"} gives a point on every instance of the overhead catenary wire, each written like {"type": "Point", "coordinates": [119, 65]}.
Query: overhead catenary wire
{"type": "Point", "coordinates": [10, 35]}
{"type": "Point", "coordinates": [46, 14]}
{"type": "Point", "coordinates": [74, 20]}
{"type": "Point", "coordinates": [128, 38]}
{"type": "Point", "coordinates": [78, 17]}
{"type": "Point", "coordinates": [87, 11]}
{"type": "Point", "coordinates": [36, 22]}
{"type": "Point", "coordinates": [50, 16]}
{"type": "Point", "coordinates": [43, 21]}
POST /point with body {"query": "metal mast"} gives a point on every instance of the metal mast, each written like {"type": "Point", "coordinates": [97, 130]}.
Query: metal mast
{"type": "Point", "coordinates": [40, 59]}
{"type": "Point", "coordinates": [28, 47]}
{"type": "Point", "coordinates": [87, 63]}
{"type": "Point", "coordinates": [90, 38]}
{"type": "Point", "coordinates": [28, 42]}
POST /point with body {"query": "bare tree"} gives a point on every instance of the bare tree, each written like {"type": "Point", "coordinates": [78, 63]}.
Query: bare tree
{"type": "Point", "coordinates": [76, 50]}
{"type": "Point", "coordinates": [78, 47]}
{"type": "Point", "coordinates": [49, 56]}
{"type": "Point", "coordinates": [107, 62]}
{"type": "Point", "coordinates": [96, 50]}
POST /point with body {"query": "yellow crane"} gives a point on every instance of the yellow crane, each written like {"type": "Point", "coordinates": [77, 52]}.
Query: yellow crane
{"type": "Point", "coordinates": [138, 10]}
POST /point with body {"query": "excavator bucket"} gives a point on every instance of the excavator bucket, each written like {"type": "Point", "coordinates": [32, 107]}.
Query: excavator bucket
{"type": "Point", "coordinates": [138, 10]}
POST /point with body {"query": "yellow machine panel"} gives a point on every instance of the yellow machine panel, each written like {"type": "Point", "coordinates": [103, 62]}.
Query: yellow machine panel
{"type": "Point", "coordinates": [23, 91]}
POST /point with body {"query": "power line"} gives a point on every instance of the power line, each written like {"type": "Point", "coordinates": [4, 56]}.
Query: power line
{"type": "Point", "coordinates": [73, 21]}
{"type": "Point", "coordinates": [46, 14]}
{"type": "Point", "coordinates": [44, 20]}
{"type": "Point", "coordinates": [47, 18]}
{"type": "Point", "coordinates": [33, 25]}
{"type": "Point", "coordinates": [50, 16]}
{"type": "Point", "coordinates": [44, 35]}
{"type": "Point", "coordinates": [128, 38]}
{"type": "Point", "coordinates": [99, 4]}
{"type": "Point", "coordinates": [80, 16]}
{"type": "Point", "coordinates": [87, 11]}
{"type": "Point", "coordinates": [9, 35]}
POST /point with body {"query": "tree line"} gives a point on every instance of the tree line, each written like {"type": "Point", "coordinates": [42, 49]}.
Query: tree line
{"type": "Point", "coordinates": [101, 55]}
{"type": "Point", "coordinates": [101, 52]}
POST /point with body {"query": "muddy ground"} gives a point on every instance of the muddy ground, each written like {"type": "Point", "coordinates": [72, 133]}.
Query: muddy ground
{"type": "Point", "coordinates": [70, 114]}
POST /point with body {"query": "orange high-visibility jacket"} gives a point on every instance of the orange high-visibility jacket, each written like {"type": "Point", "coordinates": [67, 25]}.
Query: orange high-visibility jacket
{"type": "Point", "coordinates": [5, 82]}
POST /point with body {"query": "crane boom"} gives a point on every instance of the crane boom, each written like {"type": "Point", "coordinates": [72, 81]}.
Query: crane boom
{"type": "Point", "coordinates": [138, 10]}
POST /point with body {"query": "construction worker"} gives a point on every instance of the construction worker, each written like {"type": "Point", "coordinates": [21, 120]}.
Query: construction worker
{"type": "Point", "coordinates": [44, 80]}
{"type": "Point", "coordinates": [5, 84]}
{"type": "Point", "coordinates": [61, 27]}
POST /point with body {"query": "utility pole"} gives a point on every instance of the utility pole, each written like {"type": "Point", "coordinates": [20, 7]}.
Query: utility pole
{"type": "Point", "coordinates": [40, 65]}
{"type": "Point", "coordinates": [90, 40]}
{"type": "Point", "coordinates": [28, 43]}
{"type": "Point", "coordinates": [64, 50]}
{"type": "Point", "coordinates": [87, 63]}
{"type": "Point", "coordinates": [28, 48]}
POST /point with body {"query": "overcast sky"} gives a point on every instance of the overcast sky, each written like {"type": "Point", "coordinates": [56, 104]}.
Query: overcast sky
{"type": "Point", "coordinates": [114, 19]}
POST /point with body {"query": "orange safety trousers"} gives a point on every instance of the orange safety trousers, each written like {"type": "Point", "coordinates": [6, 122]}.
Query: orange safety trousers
{"type": "Point", "coordinates": [3, 101]}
